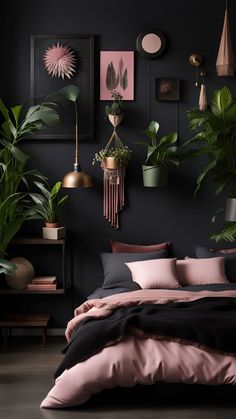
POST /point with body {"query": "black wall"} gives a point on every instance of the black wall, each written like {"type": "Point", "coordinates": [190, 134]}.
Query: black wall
{"type": "Point", "coordinates": [150, 215]}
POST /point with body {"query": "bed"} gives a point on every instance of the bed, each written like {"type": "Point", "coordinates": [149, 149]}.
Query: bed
{"type": "Point", "coordinates": [155, 330]}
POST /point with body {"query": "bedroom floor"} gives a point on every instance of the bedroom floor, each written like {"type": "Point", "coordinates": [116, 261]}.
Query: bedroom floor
{"type": "Point", "coordinates": [25, 378]}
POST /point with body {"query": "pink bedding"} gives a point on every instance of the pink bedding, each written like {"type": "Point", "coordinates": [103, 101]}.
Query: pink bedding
{"type": "Point", "coordinates": [139, 360]}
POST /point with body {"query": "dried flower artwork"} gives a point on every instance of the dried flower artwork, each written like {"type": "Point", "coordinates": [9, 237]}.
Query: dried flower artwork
{"type": "Point", "coordinates": [60, 61]}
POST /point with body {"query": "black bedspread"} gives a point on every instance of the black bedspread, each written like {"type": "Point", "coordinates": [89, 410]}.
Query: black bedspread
{"type": "Point", "coordinates": [209, 322]}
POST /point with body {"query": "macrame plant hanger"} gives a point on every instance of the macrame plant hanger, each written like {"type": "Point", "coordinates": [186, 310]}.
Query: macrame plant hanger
{"type": "Point", "coordinates": [113, 178]}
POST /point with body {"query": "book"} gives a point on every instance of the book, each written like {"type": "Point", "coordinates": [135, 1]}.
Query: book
{"type": "Point", "coordinates": [41, 287]}
{"type": "Point", "coordinates": [44, 280]}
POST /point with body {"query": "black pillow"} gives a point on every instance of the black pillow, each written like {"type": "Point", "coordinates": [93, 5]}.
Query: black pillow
{"type": "Point", "coordinates": [230, 260]}
{"type": "Point", "coordinates": [115, 270]}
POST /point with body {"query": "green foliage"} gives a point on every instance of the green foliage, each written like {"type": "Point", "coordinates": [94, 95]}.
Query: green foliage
{"type": "Point", "coordinates": [159, 151]}
{"type": "Point", "coordinates": [48, 202]}
{"type": "Point", "coordinates": [17, 123]}
{"type": "Point", "coordinates": [117, 106]}
{"type": "Point", "coordinates": [121, 154]}
{"type": "Point", "coordinates": [228, 233]}
{"type": "Point", "coordinates": [215, 136]}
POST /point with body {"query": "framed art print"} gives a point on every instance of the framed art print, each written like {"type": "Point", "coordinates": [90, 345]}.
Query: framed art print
{"type": "Point", "coordinates": [117, 73]}
{"type": "Point", "coordinates": [167, 90]}
{"type": "Point", "coordinates": [49, 74]}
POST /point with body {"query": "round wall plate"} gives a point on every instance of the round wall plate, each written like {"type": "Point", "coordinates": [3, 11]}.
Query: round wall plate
{"type": "Point", "coordinates": [150, 44]}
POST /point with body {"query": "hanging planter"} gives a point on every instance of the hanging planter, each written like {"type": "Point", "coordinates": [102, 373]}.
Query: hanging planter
{"type": "Point", "coordinates": [160, 152]}
{"type": "Point", "coordinates": [155, 176]}
{"type": "Point", "coordinates": [225, 64]}
{"type": "Point", "coordinates": [114, 159]}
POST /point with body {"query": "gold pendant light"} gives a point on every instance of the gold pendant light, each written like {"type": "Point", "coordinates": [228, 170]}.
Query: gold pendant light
{"type": "Point", "coordinates": [77, 178]}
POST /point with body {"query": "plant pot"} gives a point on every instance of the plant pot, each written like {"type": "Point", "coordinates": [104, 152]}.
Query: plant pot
{"type": "Point", "coordinates": [23, 274]}
{"type": "Point", "coordinates": [115, 120]}
{"type": "Point", "coordinates": [155, 176]}
{"type": "Point", "coordinates": [110, 163]}
{"type": "Point", "coordinates": [230, 209]}
{"type": "Point", "coordinates": [51, 225]}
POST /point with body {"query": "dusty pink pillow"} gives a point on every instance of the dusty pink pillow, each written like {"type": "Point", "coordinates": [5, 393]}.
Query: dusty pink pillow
{"type": "Point", "coordinates": [155, 273]}
{"type": "Point", "coordinates": [192, 271]}
{"type": "Point", "coordinates": [118, 247]}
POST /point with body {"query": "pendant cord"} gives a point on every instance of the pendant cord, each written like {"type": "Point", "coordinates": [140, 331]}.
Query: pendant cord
{"type": "Point", "coordinates": [226, 4]}
{"type": "Point", "coordinates": [148, 89]}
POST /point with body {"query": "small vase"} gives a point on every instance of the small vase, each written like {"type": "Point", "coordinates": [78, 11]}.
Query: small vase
{"type": "Point", "coordinates": [51, 225]}
{"type": "Point", "coordinates": [110, 163]}
{"type": "Point", "coordinates": [230, 209]}
{"type": "Point", "coordinates": [155, 176]}
{"type": "Point", "coordinates": [23, 274]}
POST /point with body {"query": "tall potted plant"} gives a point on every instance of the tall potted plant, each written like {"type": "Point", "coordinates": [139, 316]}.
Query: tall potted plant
{"type": "Point", "coordinates": [215, 135]}
{"type": "Point", "coordinates": [15, 206]}
{"type": "Point", "coordinates": [160, 152]}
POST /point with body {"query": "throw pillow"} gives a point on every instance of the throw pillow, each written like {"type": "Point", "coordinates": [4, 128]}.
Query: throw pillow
{"type": "Point", "coordinates": [153, 274]}
{"type": "Point", "coordinates": [201, 271]}
{"type": "Point", "coordinates": [115, 270]}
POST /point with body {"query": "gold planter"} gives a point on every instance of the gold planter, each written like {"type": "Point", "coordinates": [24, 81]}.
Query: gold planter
{"type": "Point", "coordinates": [115, 120]}
{"type": "Point", "coordinates": [110, 163]}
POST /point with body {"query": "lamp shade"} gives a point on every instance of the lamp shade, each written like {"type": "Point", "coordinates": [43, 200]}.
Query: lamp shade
{"type": "Point", "coordinates": [77, 179]}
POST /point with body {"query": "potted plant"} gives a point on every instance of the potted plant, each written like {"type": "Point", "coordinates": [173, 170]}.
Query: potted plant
{"type": "Point", "coordinates": [215, 135]}
{"type": "Point", "coordinates": [113, 157]}
{"type": "Point", "coordinates": [160, 152]}
{"type": "Point", "coordinates": [115, 111]}
{"type": "Point", "coordinates": [15, 207]}
{"type": "Point", "coordinates": [48, 203]}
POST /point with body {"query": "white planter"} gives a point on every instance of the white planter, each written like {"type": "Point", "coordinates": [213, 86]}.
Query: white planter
{"type": "Point", "coordinates": [230, 209]}
{"type": "Point", "coordinates": [54, 233]}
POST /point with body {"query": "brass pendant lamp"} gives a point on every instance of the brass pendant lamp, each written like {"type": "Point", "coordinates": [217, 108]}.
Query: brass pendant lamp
{"type": "Point", "coordinates": [77, 178]}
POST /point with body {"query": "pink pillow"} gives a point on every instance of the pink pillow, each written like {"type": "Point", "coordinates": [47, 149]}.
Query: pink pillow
{"type": "Point", "coordinates": [192, 271]}
{"type": "Point", "coordinates": [118, 247]}
{"type": "Point", "coordinates": [155, 273]}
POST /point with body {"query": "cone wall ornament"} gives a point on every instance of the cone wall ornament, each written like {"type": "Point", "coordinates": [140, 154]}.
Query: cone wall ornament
{"type": "Point", "coordinates": [225, 64]}
{"type": "Point", "coordinates": [202, 98]}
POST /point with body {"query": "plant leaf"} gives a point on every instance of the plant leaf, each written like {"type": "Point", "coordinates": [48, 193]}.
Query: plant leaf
{"type": "Point", "coordinates": [221, 100]}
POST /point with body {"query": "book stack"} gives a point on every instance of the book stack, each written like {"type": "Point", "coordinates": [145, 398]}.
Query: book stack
{"type": "Point", "coordinates": [43, 283]}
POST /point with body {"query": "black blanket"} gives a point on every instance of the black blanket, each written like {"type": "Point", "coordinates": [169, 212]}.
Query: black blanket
{"type": "Point", "coordinates": [208, 322]}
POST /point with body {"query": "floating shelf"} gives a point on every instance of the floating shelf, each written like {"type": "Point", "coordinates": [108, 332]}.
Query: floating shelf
{"type": "Point", "coordinates": [25, 291]}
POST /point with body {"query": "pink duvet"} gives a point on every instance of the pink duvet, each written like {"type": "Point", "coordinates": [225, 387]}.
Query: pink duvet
{"type": "Point", "coordinates": [139, 360]}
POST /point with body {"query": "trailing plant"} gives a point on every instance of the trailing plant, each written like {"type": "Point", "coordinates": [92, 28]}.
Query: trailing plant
{"type": "Point", "coordinates": [48, 203]}
{"type": "Point", "coordinates": [159, 151]}
{"type": "Point", "coordinates": [117, 107]}
{"type": "Point", "coordinates": [215, 136]}
{"type": "Point", "coordinates": [121, 154]}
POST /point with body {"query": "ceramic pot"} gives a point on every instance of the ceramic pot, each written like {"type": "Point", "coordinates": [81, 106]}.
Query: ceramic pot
{"type": "Point", "coordinates": [230, 209]}
{"type": "Point", "coordinates": [23, 274]}
{"type": "Point", "coordinates": [155, 176]}
{"type": "Point", "coordinates": [52, 225]}
{"type": "Point", "coordinates": [110, 163]}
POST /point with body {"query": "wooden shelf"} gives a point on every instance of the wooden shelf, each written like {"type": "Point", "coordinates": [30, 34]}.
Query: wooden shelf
{"type": "Point", "coordinates": [25, 291]}
{"type": "Point", "coordinates": [36, 240]}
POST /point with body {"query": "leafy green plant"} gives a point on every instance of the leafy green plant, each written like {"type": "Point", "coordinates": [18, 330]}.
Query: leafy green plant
{"type": "Point", "coordinates": [17, 123]}
{"type": "Point", "coordinates": [121, 154]}
{"type": "Point", "coordinates": [48, 202]}
{"type": "Point", "coordinates": [159, 151]}
{"type": "Point", "coordinates": [216, 139]}
{"type": "Point", "coordinates": [117, 106]}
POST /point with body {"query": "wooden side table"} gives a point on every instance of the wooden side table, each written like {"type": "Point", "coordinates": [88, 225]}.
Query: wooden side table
{"type": "Point", "coordinates": [12, 321]}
